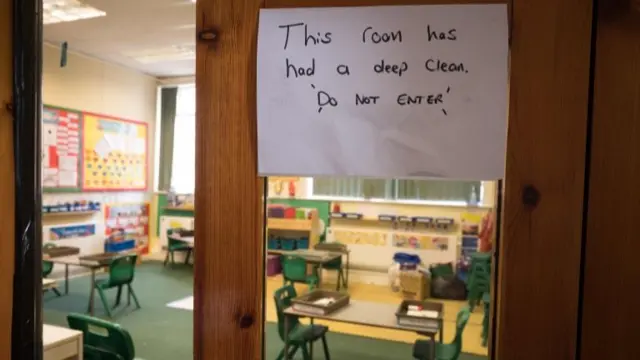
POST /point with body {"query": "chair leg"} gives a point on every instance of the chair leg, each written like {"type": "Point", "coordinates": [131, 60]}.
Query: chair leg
{"type": "Point", "coordinates": [186, 259]}
{"type": "Point", "coordinates": [326, 348]}
{"type": "Point", "coordinates": [166, 258]}
{"type": "Point", "coordinates": [118, 296]}
{"type": "Point", "coordinates": [128, 296]}
{"type": "Point", "coordinates": [305, 352]}
{"type": "Point", "coordinates": [56, 291]}
{"type": "Point", "coordinates": [104, 301]}
{"type": "Point", "coordinates": [133, 294]}
{"type": "Point", "coordinates": [173, 262]}
{"type": "Point", "coordinates": [292, 352]}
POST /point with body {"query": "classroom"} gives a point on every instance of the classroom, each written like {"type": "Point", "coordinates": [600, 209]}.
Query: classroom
{"type": "Point", "coordinates": [361, 263]}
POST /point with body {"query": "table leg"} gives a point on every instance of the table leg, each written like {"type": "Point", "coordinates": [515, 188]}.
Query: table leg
{"type": "Point", "coordinates": [311, 342]}
{"type": "Point", "coordinates": [66, 279]}
{"type": "Point", "coordinates": [286, 337]}
{"type": "Point", "coordinates": [346, 286]}
{"type": "Point", "coordinates": [433, 347]}
{"type": "Point", "coordinates": [91, 294]}
{"type": "Point", "coordinates": [319, 275]}
{"type": "Point", "coordinates": [441, 332]}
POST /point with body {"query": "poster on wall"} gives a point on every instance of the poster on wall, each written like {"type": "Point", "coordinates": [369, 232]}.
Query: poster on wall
{"type": "Point", "coordinates": [383, 91]}
{"type": "Point", "coordinates": [74, 231]}
{"type": "Point", "coordinates": [115, 154]}
{"type": "Point", "coordinates": [131, 220]}
{"type": "Point", "coordinates": [61, 130]}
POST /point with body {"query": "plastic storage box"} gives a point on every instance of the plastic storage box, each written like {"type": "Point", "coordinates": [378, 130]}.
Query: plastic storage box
{"type": "Point", "coordinates": [274, 267]}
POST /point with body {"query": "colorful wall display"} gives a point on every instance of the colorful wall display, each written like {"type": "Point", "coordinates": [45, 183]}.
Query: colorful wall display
{"type": "Point", "coordinates": [61, 131]}
{"type": "Point", "coordinates": [349, 237]}
{"type": "Point", "coordinates": [420, 241]}
{"type": "Point", "coordinates": [75, 231]}
{"type": "Point", "coordinates": [132, 219]}
{"type": "Point", "coordinates": [114, 154]}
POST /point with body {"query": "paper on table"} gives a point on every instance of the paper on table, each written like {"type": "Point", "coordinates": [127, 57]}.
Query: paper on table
{"type": "Point", "coordinates": [386, 91]}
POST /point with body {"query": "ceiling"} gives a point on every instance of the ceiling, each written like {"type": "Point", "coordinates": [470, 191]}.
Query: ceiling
{"type": "Point", "coordinates": [130, 29]}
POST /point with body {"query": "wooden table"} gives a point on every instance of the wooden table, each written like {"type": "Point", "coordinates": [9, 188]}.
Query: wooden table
{"type": "Point", "coordinates": [75, 260]}
{"type": "Point", "coordinates": [189, 240]}
{"type": "Point", "coordinates": [364, 313]}
{"type": "Point", "coordinates": [316, 257]}
{"type": "Point", "coordinates": [60, 343]}
{"type": "Point", "coordinates": [48, 284]}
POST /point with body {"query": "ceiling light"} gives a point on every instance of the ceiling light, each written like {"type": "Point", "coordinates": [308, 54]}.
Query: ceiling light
{"type": "Point", "coordinates": [164, 54]}
{"type": "Point", "coordinates": [57, 11]}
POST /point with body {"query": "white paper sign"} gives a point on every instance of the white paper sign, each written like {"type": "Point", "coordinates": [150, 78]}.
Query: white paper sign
{"type": "Point", "coordinates": [391, 92]}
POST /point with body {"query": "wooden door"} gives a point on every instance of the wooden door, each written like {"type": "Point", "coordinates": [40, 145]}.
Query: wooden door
{"type": "Point", "coordinates": [6, 180]}
{"type": "Point", "coordinates": [541, 238]}
{"type": "Point", "coordinates": [610, 312]}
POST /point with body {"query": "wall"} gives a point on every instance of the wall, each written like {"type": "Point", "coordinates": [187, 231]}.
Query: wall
{"type": "Point", "coordinates": [92, 85]}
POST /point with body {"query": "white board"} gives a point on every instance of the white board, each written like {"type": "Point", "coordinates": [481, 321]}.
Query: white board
{"type": "Point", "coordinates": [316, 119]}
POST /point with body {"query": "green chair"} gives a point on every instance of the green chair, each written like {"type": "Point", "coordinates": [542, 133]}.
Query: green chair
{"type": "Point", "coordinates": [479, 278]}
{"type": "Point", "coordinates": [336, 265]}
{"type": "Point", "coordinates": [176, 246]}
{"type": "Point", "coordinates": [102, 340]}
{"type": "Point", "coordinates": [451, 351]}
{"type": "Point", "coordinates": [486, 300]}
{"type": "Point", "coordinates": [299, 335]}
{"type": "Point", "coordinates": [294, 270]}
{"type": "Point", "coordinates": [47, 267]}
{"type": "Point", "coordinates": [121, 273]}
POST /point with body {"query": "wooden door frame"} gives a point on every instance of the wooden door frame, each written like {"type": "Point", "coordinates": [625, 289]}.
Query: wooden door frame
{"type": "Point", "coordinates": [541, 243]}
{"type": "Point", "coordinates": [7, 188]}
{"type": "Point", "coordinates": [22, 198]}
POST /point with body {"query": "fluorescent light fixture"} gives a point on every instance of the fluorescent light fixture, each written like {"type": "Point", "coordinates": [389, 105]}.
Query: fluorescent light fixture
{"type": "Point", "coordinates": [164, 54]}
{"type": "Point", "coordinates": [57, 11]}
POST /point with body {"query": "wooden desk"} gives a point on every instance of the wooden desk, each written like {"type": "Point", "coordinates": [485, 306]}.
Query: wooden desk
{"type": "Point", "coordinates": [75, 260]}
{"type": "Point", "coordinates": [189, 240]}
{"type": "Point", "coordinates": [48, 284]}
{"type": "Point", "coordinates": [316, 257]}
{"type": "Point", "coordinates": [365, 313]}
{"type": "Point", "coordinates": [60, 343]}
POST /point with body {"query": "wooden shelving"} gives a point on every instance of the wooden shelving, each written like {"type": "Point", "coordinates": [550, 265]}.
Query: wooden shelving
{"type": "Point", "coordinates": [68, 214]}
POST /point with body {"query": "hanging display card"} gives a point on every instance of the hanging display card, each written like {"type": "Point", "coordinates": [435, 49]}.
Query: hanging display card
{"type": "Point", "coordinates": [385, 91]}
{"type": "Point", "coordinates": [60, 149]}
{"type": "Point", "coordinates": [115, 154]}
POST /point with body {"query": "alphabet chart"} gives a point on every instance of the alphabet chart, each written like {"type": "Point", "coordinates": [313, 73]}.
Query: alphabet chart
{"type": "Point", "coordinates": [114, 154]}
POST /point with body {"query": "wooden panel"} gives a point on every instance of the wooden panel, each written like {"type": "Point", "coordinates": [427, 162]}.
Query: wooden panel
{"type": "Point", "coordinates": [540, 246]}
{"type": "Point", "coordinates": [610, 314]}
{"type": "Point", "coordinates": [229, 266]}
{"type": "Point", "coordinates": [6, 181]}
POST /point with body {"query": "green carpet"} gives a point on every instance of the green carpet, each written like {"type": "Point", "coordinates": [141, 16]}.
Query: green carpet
{"type": "Point", "coordinates": [162, 333]}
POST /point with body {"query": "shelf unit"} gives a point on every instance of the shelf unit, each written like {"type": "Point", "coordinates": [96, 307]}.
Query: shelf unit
{"type": "Point", "coordinates": [310, 226]}
{"type": "Point", "coordinates": [68, 214]}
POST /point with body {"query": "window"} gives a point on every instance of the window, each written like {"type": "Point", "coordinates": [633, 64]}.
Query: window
{"type": "Point", "coordinates": [183, 169]}
{"type": "Point", "coordinates": [446, 191]}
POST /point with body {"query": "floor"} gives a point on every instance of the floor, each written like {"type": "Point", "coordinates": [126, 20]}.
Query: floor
{"type": "Point", "coordinates": [161, 332]}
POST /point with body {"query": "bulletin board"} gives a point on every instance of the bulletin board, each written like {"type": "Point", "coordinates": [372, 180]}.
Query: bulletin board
{"type": "Point", "coordinates": [61, 135]}
{"type": "Point", "coordinates": [114, 154]}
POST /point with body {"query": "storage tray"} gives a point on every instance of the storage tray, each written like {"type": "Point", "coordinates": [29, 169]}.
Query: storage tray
{"type": "Point", "coordinates": [429, 324]}
{"type": "Point", "coordinates": [60, 251]}
{"type": "Point", "coordinates": [305, 303]}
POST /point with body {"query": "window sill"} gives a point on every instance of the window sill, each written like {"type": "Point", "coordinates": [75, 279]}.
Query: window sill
{"type": "Point", "coordinates": [450, 204]}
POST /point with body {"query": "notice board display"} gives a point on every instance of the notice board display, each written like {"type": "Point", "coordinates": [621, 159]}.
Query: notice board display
{"type": "Point", "coordinates": [386, 91]}
{"type": "Point", "coordinates": [115, 154]}
{"type": "Point", "coordinates": [61, 130]}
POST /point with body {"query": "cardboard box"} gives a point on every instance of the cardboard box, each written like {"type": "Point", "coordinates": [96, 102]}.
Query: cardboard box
{"type": "Point", "coordinates": [414, 285]}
